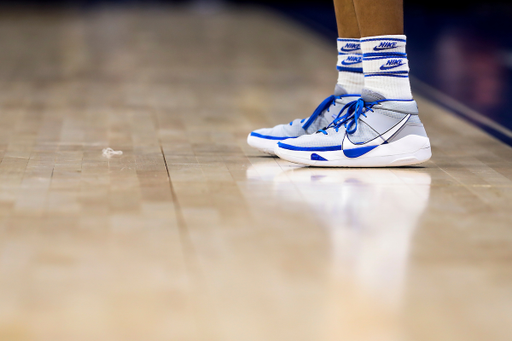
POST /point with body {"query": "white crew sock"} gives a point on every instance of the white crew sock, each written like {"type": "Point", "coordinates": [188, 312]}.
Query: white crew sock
{"type": "Point", "coordinates": [350, 67]}
{"type": "Point", "coordinates": [385, 66]}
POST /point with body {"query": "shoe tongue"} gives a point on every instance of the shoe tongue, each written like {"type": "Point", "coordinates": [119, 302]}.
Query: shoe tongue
{"type": "Point", "coordinates": [371, 96]}
{"type": "Point", "coordinates": [339, 91]}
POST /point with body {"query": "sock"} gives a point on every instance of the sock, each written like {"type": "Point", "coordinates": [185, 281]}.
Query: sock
{"type": "Point", "coordinates": [385, 66]}
{"type": "Point", "coordinates": [350, 67]}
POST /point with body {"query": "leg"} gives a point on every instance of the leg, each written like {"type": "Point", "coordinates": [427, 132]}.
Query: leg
{"type": "Point", "coordinates": [382, 128]}
{"type": "Point", "coordinates": [346, 19]}
{"type": "Point", "coordinates": [387, 17]}
{"type": "Point", "coordinates": [385, 63]}
{"type": "Point", "coordinates": [350, 67]}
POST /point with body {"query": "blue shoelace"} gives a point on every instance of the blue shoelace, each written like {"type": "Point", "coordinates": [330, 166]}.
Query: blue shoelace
{"type": "Point", "coordinates": [354, 110]}
{"type": "Point", "coordinates": [325, 105]}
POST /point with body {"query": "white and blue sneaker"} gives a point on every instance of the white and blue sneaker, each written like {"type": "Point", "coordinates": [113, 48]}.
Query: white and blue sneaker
{"type": "Point", "coordinates": [370, 132]}
{"type": "Point", "coordinates": [266, 139]}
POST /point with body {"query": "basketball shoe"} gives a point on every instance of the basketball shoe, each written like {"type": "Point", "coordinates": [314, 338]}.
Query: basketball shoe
{"type": "Point", "coordinates": [266, 139]}
{"type": "Point", "coordinates": [369, 132]}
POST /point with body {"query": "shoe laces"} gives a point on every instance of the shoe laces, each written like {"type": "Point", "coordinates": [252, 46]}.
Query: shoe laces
{"type": "Point", "coordinates": [324, 106]}
{"type": "Point", "coordinates": [354, 109]}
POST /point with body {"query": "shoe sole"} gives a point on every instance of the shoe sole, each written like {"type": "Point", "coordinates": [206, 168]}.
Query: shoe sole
{"type": "Point", "coordinates": [263, 145]}
{"type": "Point", "coordinates": [409, 150]}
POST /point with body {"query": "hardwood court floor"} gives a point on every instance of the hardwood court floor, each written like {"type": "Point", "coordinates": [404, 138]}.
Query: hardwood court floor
{"type": "Point", "coordinates": [193, 235]}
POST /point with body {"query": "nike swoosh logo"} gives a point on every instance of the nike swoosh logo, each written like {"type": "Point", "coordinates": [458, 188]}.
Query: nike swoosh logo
{"type": "Point", "coordinates": [350, 62]}
{"type": "Point", "coordinates": [384, 67]}
{"type": "Point", "coordinates": [352, 150]}
{"type": "Point", "coordinates": [378, 48]}
{"type": "Point", "coordinates": [349, 49]}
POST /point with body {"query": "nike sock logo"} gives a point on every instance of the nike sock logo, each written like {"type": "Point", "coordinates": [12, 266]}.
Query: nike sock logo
{"type": "Point", "coordinates": [350, 47]}
{"type": "Point", "coordinates": [392, 63]}
{"type": "Point", "coordinates": [385, 45]}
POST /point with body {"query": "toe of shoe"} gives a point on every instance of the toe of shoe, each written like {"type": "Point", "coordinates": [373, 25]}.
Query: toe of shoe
{"type": "Point", "coordinates": [263, 131]}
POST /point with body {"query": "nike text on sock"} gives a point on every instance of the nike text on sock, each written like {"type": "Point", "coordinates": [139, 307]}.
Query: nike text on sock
{"type": "Point", "coordinates": [350, 67]}
{"type": "Point", "coordinates": [385, 66]}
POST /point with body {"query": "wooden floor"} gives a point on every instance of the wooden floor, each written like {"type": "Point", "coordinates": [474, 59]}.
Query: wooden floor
{"type": "Point", "coordinates": [191, 234]}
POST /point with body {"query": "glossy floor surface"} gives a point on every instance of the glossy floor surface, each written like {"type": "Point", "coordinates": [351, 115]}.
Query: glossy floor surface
{"type": "Point", "coordinates": [192, 235]}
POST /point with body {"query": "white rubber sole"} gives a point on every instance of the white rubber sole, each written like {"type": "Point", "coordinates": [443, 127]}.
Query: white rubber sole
{"type": "Point", "coordinates": [263, 145]}
{"type": "Point", "coordinates": [408, 151]}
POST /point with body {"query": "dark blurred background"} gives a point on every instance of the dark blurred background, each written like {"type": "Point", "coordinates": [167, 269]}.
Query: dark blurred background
{"type": "Point", "coordinates": [457, 50]}
{"type": "Point", "coordinates": [455, 4]}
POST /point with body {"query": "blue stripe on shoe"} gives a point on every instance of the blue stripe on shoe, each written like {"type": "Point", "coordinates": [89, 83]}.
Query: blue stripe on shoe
{"type": "Point", "coordinates": [357, 152]}
{"type": "Point", "coordinates": [317, 157]}
{"type": "Point", "coordinates": [308, 149]}
{"type": "Point", "coordinates": [271, 137]}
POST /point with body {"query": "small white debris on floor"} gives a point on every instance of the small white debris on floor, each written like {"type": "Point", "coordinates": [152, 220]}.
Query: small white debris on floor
{"type": "Point", "coordinates": [109, 152]}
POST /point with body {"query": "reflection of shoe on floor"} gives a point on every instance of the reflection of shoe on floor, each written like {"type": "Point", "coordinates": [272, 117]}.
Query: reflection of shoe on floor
{"type": "Point", "coordinates": [265, 139]}
{"type": "Point", "coordinates": [266, 170]}
{"type": "Point", "coordinates": [374, 188]}
{"type": "Point", "coordinates": [370, 216]}
{"type": "Point", "coordinates": [357, 176]}
{"type": "Point", "coordinates": [395, 197]}
{"type": "Point", "coordinates": [370, 132]}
